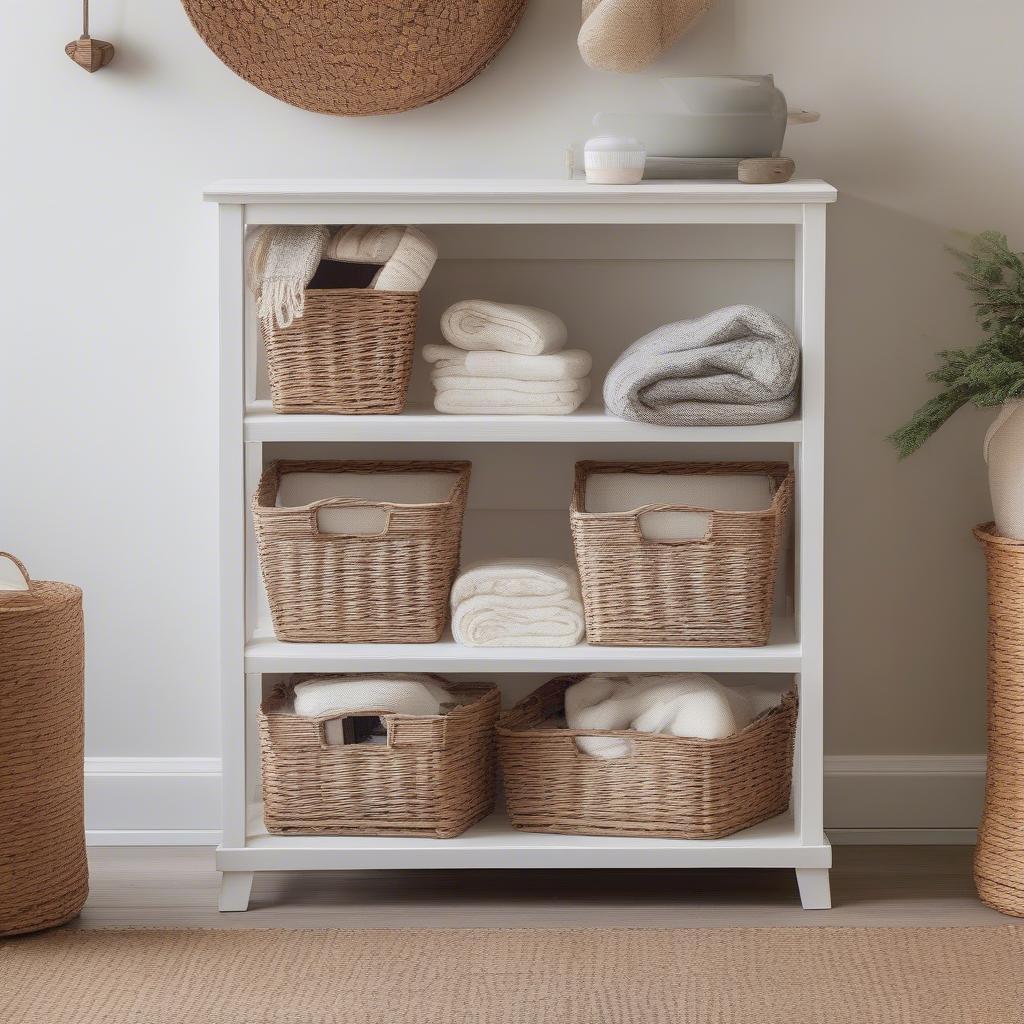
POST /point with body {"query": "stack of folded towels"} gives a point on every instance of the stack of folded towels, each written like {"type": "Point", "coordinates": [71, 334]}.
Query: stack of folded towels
{"type": "Point", "coordinates": [675, 703]}
{"type": "Point", "coordinates": [518, 602]}
{"type": "Point", "coordinates": [503, 359]}
{"type": "Point", "coordinates": [375, 694]}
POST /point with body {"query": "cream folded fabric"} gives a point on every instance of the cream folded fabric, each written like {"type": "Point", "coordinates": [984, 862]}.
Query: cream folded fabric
{"type": "Point", "coordinates": [572, 364]}
{"type": "Point", "coordinates": [499, 402]}
{"type": "Point", "coordinates": [680, 704]}
{"type": "Point", "coordinates": [406, 254]}
{"type": "Point", "coordinates": [517, 602]}
{"type": "Point", "coordinates": [396, 693]}
{"type": "Point", "coordinates": [443, 382]}
{"type": "Point", "coordinates": [479, 324]}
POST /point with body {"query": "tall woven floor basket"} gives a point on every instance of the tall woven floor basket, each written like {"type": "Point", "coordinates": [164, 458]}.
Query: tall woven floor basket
{"type": "Point", "coordinates": [999, 856]}
{"type": "Point", "coordinates": [43, 873]}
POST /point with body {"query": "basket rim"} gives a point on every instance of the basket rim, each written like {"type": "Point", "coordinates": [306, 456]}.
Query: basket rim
{"type": "Point", "coordinates": [266, 491]}
{"type": "Point", "coordinates": [988, 533]}
{"type": "Point", "coordinates": [781, 472]}
{"type": "Point", "coordinates": [368, 292]}
{"type": "Point", "coordinates": [785, 706]}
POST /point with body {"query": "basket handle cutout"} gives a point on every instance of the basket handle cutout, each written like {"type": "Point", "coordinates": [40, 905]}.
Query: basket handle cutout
{"type": "Point", "coordinates": [352, 729]}
{"type": "Point", "coordinates": [674, 525]}
{"type": "Point", "coordinates": [331, 519]}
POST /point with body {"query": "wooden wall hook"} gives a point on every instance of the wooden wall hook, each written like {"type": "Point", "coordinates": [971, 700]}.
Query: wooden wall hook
{"type": "Point", "coordinates": [86, 52]}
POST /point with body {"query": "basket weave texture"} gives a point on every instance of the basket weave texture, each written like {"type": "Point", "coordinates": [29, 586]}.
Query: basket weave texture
{"type": "Point", "coordinates": [390, 587]}
{"type": "Point", "coordinates": [713, 592]}
{"type": "Point", "coordinates": [335, 57]}
{"type": "Point", "coordinates": [669, 787]}
{"type": "Point", "coordinates": [999, 854]}
{"type": "Point", "coordinates": [350, 353]}
{"type": "Point", "coordinates": [434, 778]}
{"type": "Point", "coordinates": [44, 878]}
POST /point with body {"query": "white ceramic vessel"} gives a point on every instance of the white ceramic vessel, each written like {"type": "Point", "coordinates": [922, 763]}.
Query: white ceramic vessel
{"type": "Point", "coordinates": [1004, 453]}
{"type": "Point", "coordinates": [725, 94]}
{"type": "Point", "coordinates": [614, 160]}
{"type": "Point", "coordinates": [699, 135]}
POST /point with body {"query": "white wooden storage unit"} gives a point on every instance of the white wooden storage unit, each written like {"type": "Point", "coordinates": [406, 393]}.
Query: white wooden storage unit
{"type": "Point", "coordinates": [686, 210]}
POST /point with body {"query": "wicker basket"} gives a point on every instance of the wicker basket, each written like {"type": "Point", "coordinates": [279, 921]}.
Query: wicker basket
{"type": "Point", "coordinates": [999, 855]}
{"type": "Point", "coordinates": [388, 587]}
{"type": "Point", "coordinates": [713, 592]}
{"type": "Point", "coordinates": [44, 878]}
{"type": "Point", "coordinates": [435, 776]}
{"type": "Point", "coordinates": [669, 787]}
{"type": "Point", "coordinates": [349, 353]}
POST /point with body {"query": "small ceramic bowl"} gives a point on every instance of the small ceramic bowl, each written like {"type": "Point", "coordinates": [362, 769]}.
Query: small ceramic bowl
{"type": "Point", "coordinates": [614, 160]}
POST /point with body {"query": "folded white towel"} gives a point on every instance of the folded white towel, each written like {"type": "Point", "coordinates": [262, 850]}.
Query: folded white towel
{"type": "Point", "coordinates": [517, 602]}
{"type": "Point", "coordinates": [571, 364]}
{"type": "Point", "coordinates": [406, 254]}
{"type": "Point", "coordinates": [499, 402]}
{"type": "Point", "coordinates": [480, 324]}
{"type": "Point", "coordinates": [681, 704]}
{"type": "Point", "coordinates": [397, 693]}
{"type": "Point", "coordinates": [443, 382]}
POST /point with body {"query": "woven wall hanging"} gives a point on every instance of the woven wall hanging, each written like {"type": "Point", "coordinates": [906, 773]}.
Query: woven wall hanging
{"type": "Point", "coordinates": [356, 57]}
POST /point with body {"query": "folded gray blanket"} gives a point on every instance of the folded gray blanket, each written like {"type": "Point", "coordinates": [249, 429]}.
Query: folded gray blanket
{"type": "Point", "coordinates": [736, 366]}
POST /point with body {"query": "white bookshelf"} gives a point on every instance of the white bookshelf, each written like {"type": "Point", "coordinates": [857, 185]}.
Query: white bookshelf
{"type": "Point", "coordinates": [784, 227]}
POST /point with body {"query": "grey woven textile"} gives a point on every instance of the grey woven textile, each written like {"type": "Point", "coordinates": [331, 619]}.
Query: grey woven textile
{"type": "Point", "coordinates": [734, 367]}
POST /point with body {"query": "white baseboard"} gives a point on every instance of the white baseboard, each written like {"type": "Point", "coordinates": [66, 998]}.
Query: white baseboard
{"type": "Point", "coordinates": [175, 801]}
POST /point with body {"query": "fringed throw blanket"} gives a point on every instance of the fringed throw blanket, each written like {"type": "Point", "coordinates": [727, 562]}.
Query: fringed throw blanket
{"type": "Point", "coordinates": [736, 366]}
{"type": "Point", "coordinates": [282, 261]}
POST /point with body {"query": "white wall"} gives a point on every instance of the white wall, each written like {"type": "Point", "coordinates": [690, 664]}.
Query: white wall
{"type": "Point", "coordinates": [109, 333]}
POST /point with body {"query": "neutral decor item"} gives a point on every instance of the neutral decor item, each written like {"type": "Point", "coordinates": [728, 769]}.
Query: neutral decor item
{"type": "Point", "coordinates": [434, 776]}
{"type": "Point", "coordinates": [515, 449]}
{"type": "Point", "coordinates": [999, 855]}
{"type": "Point", "coordinates": [406, 255]}
{"type": "Point", "coordinates": [990, 374]}
{"type": "Point", "coordinates": [86, 52]}
{"type": "Point", "coordinates": [378, 57]}
{"type": "Point", "coordinates": [689, 704]}
{"type": "Point", "coordinates": [282, 260]}
{"type": "Point", "coordinates": [613, 160]}
{"type": "Point", "coordinates": [627, 35]}
{"type": "Point", "coordinates": [44, 878]}
{"type": "Point", "coordinates": [735, 366]}
{"type": "Point", "coordinates": [724, 94]}
{"type": "Point", "coordinates": [669, 786]}
{"type": "Point", "coordinates": [766, 170]}
{"type": "Point", "coordinates": [517, 602]}
{"type": "Point", "coordinates": [817, 975]}
{"type": "Point", "coordinates": [389, 585]}
{"type": "Point", "coordinates": [482, 325]}
{"type": "Point", "coordinates": [699, 136]}
{"type": "Point", "coordinates": [713, 592]}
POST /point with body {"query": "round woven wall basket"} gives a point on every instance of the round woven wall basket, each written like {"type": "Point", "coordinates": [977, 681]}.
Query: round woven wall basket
{"type": "Point", "coordinates": [356, 58]}
{"type": "Point", "coordinates": [999, 855]}
{"type": "Point", "coordinates": [44, 878]}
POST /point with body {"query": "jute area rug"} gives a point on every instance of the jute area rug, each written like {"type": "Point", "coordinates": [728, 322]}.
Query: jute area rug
{"type": "Point", "coordinates": [519, 976]}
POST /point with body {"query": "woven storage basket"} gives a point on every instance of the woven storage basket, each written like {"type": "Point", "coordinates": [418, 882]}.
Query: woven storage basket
{"type": "Point", "coordinates": [712, 592]}
{"type": "Point", "coordinates": [390, 587]}
{"type": "Point", "coordinates": [999, 855]}
{"type": "Point", "coordinates": [669, 787]}
{"type": "Point", "coordinates": [44, 877]}
{"type": "Point", "coordinates": [434, 778]}
{"type": "Point", "coordinates": [350, 353]}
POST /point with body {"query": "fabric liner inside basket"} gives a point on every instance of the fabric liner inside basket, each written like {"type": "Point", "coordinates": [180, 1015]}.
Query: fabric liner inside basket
{"type": "Point", "coordinates": [625, 492]}
{"type": "Point", "coordinates": [299, 489]}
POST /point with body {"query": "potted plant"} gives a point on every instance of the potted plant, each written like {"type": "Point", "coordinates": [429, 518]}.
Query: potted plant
{"type": "Point", "coordinates": [990, 374]}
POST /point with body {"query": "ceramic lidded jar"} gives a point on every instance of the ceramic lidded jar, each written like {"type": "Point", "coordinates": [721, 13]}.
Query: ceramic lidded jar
{"type": "Point", "coordinates": [614, 160]}
{"type": "Point", "coordinates": [1004, 453]}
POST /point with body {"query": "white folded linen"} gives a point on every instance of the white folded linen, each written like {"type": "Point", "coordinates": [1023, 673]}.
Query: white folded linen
{"type": "Point", "coordinates": [499, 402]}
{"type": "Point", "coordinates": [517, 602]}
{"type": "Point", "coordinates": [395, 693]}
{"type": "Point", "coordinates": [571, 364]}
{"type": "Point", "coordinates": [444, 382]}
{"type": "Point", "coordinates": [730, 492]}
{"type": "Point", "coordinates": [406, 254]}
{"type": "Point", "coordinates": [681, 704]}
{"type": "Point", "coordinates": [475, 324]}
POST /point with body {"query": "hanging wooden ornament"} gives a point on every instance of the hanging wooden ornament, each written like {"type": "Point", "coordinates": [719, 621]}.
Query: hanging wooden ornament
{"type": "Point", "coordinates": [86, 52]}
{"type": "Point", "coordinates": [341, 57]}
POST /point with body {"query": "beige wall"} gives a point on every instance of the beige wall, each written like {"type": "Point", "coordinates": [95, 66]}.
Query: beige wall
{"type": "Point", "coordinates": [108, 398]}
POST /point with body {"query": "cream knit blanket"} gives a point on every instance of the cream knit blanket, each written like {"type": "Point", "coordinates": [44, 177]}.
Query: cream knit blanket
{"type": "Point", "coordinates": [282, 260]}
{"type": "Point", "coordinates": [406, 254]}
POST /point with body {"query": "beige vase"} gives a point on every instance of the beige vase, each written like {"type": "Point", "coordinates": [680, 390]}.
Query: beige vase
{"type": "Point", "coordinates": [1004, 453]}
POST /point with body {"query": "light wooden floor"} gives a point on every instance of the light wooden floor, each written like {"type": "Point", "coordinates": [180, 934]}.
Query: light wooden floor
{"type": "Point", "coordinates": [871, 885]}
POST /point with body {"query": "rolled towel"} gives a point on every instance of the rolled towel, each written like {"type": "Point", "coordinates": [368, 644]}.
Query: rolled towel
{"type": "Point", "coordinates": [736, 366]}
{"type": "Point", "coordinates": [680, 704]}
{"type": "Point", "coordinates": [406, 254]}
{"type": "Point", "coordinates": [517, 602]}
{"type": "Point", "coordinates": [572, 364]}
{"type": "Point", "coordinates": [476, 324]}
{"type": "Point", "coordinates": [499, 402]}
{"type": "Point", "coordinates": [396, 693]}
